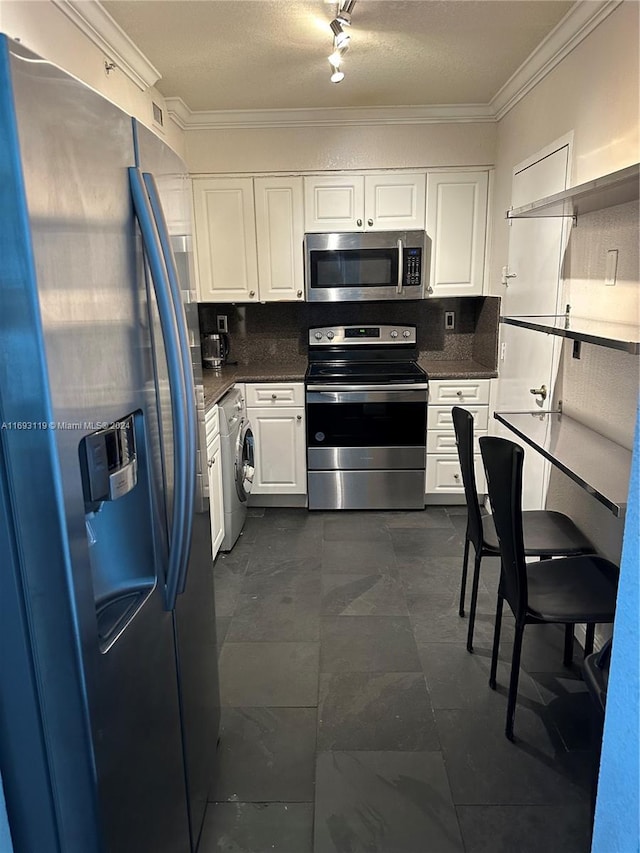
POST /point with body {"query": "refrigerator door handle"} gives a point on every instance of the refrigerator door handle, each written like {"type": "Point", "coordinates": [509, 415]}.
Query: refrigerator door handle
{"type": "Point", "coordinates": [181, 322]}
{"type": "Point", "coordinates": [179, 395]}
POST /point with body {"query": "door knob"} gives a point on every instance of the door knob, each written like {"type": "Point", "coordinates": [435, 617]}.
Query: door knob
{"type": "Point", "coordinates": [542, 391]}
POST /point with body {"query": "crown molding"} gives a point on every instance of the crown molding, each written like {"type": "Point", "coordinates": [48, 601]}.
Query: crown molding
{"type": "Point", "coordinates": [576, 25]}
{"type": "Point", "coordinates": [319, 117]}
{"type": "Point", "coordinates": [96, 23]}
{"type": "Point", "coordinates": [100, 28]}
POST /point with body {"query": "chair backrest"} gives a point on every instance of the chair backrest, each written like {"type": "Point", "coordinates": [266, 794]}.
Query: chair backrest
{"type": "Point", "coordinates": [503, 461]}
{"type": "Point", "coordinates": [463, 426]}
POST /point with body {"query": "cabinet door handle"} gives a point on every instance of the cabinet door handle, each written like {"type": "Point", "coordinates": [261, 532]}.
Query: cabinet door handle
{"type": "Point", "coordinates": [359, 223]}
{"type": "Point", "coordinates": [274, 396]}
{"type": "Point", "coordinates": [429, 289]}
{"type": "Point", "coordinates": [299, 294]}
{"type": "Point", "coordinates": [298, 417]}
{"type": "Point", "coordinates": [459, 393]}
{"type": "Point", "coordinates": [369, 221]}
{"type": "Point", "coordinates": [252, 293]}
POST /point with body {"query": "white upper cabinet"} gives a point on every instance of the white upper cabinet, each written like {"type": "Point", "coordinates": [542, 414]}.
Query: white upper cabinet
{"type": "Point", "coordinates": [249, 235]}
{"type": "Point", "coordinates": [279, 232]}
{"type": "Point", "coordinates": [334, 203]}
{"type": "Point", "coordinates": [387, 202]}
{"type": "Point", "coordinates": [457, 225]}
{"type": "Point", "coordinates": [394, 202]}
{"type": "Point", "coordinates": [225, 232]}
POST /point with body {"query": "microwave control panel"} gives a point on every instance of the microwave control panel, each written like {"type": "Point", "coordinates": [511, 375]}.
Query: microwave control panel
{"type": "Point", "coordinates": [412, 267]}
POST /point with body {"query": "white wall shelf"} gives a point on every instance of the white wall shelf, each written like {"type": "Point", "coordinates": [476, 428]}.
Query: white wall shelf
{"type": "Point", "coordinates": [609, 190]}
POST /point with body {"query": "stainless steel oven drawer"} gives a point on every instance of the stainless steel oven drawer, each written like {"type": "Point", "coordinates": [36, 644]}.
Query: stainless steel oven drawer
{"type": "Point", "coordinates": [366, 489]}
{"type": "Point", "coordinates": [358, 458]}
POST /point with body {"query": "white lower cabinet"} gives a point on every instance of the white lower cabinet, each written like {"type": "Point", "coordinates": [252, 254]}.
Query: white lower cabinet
{"type": "Point", "coordinates": [276, 414]}
{"type": "Point", "coordinates": [214, 478]}
{"type": "Point", "coordinates": [444, 477]}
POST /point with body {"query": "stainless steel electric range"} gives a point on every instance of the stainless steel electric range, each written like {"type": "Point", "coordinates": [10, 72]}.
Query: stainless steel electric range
{"type": "Point", "coordinates": [366, 418]}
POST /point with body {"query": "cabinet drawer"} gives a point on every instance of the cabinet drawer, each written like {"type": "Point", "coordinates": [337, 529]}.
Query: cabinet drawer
{"type": "Point", "coordinates": [439, 417]}
{"type": "Point", "coordinates": [444, 475]}
{"type": "Point", "coordinates": [274, 394]}
{"type": "Point", "coordinates": [444, 441]}
{"type": "Point", "coordinates": [459, 391]}
{"type": "Point", "coordinates": [212, 423]}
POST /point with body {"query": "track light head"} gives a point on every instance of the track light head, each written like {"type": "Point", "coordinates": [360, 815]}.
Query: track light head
{"type": "Point", "coordinates": [340, 38]}
{"type": "Point", "coordinates": [336, 75]}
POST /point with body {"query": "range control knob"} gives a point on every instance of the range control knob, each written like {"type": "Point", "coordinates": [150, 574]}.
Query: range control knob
{"type": "Point", "coordinates": [393, 333]}
{"type": "Point", "coordinates": [406, 333]}
{"type": "Point", "coordinates": [318, 336]}
{"type": "Point", "coordinates": [330, 335]}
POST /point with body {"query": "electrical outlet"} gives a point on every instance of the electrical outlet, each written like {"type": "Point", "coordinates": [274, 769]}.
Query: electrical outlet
{"type": "Point", "coordinates": [223, 326]}
{"type": "Point", "coordinates": [449, 320]}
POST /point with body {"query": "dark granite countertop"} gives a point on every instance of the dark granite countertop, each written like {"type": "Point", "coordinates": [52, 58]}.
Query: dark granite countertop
{"type": "Point", "coordinates": [437, 369]}
{"type": "Point", "coordinates": [218, 382]}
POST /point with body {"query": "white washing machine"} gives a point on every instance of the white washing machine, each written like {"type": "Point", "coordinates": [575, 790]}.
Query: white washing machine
{"type": "Point", "coordinates": [237, 449]}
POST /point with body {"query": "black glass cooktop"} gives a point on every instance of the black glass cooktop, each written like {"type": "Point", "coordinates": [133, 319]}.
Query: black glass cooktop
{"type": "Point", "coordinates": [363, 371]}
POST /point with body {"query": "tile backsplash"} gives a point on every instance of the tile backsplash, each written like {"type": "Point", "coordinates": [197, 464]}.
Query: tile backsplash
{"type": "Point", "coordinates": [278, 330]}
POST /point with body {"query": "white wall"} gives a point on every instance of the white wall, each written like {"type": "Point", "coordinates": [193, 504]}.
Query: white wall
{"type": "Point", "coordinates": [594, 93]}
{"type": "Point", "coordinates": [318, 148]}
{"type": "Point", "coordinates": [43, 28]}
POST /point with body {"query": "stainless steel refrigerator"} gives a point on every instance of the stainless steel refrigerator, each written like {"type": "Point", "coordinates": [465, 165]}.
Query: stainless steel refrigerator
{"type": "Point", "coordinates": [108, 676]}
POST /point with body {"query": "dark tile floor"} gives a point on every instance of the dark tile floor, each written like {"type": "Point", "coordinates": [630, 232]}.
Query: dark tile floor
{"type": "Point", "coordinates": [355, 721]}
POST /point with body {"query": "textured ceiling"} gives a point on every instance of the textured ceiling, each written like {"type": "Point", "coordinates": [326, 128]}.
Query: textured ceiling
{"type": "Point", "coordinates": [271, 54]}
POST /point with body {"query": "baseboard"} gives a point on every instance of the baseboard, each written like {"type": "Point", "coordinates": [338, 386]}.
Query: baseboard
{"type": "Point", "coordinates": [299, 501]}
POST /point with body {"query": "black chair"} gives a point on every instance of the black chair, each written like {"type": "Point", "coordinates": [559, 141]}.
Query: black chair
{"type": "Point", "coordinates": [546, 534]}
{"type": "Point", "coordinates": [567, 591]}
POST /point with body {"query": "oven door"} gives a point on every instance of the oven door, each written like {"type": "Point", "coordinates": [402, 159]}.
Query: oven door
{"type": "Point", "coordinates": [370, 266]}
{"type": "Point", "coordinates": [366, 429]}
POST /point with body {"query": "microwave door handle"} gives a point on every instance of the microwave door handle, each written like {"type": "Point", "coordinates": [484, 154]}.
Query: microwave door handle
{"type": "Point", "coordinates": [400, 268]}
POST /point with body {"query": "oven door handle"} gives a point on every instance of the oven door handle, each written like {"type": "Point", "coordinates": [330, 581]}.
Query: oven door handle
{"type": "Point", "coordinates": [397, 394]}
{"type": "Point", "coordinates": [400, 386]}
{"type": "Point", "coordinates": [400, 268]}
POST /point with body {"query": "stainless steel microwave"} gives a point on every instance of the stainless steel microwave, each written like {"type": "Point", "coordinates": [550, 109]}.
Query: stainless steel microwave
{"type": "Point", "coordinates": [369, 265]}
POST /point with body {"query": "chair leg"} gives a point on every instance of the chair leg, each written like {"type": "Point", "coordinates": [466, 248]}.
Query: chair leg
{"type": "Point", "coordinates": [463, 583]}
{"type": "Point", "coordinates": [568, 645]}
{"type": "Point", "coordinates": [590, 637]}
{"type": "Point", "coordinates": [474, 600]}
{"type": "Point", "coordinates": [513, 681]}
{"type": "Point", "coordinates": [496, 644]}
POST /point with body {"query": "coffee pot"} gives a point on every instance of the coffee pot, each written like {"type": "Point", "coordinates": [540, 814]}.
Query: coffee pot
{"type": "Point", "coordinates": [215, 350]}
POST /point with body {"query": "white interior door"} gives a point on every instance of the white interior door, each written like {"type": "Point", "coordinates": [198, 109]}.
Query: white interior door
{"type": "Point", "coordinates": [529, 359]}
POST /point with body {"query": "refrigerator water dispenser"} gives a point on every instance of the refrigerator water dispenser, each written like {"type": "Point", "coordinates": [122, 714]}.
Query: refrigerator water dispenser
{"type": "Point", "coordinates": [118, 516]}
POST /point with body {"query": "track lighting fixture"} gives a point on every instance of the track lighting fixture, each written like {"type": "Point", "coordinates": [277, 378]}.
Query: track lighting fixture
{"type": "Point", "coordinates": [341, 39]}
